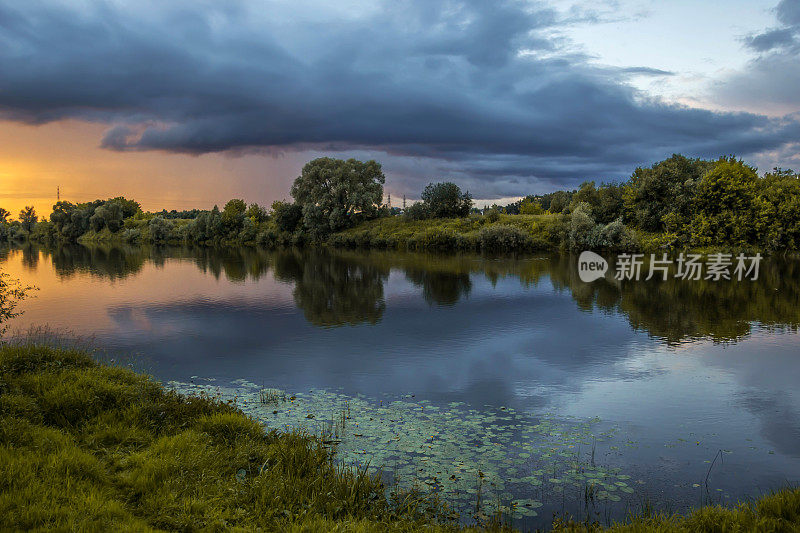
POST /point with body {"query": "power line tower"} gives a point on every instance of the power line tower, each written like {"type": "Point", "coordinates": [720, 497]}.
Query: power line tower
{"type": "Point", "coordinates": [389, 201]}
{"type": "Point", "coordinates": [404, 202]}
{"type": "Point", "coordinates": [58, 193]}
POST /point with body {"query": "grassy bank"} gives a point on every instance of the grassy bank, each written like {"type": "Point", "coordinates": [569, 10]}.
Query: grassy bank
{"type": "Point", "coordinates": [503, 233]}
{"type": "Point", "coordinates": [85, 446]}
{"type": "Point", "coordinates": [91, 447]}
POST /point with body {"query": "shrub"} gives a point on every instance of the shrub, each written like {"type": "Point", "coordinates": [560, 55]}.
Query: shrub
{"type": "Point", "coordinates": [504, 238]}
{"type": "Point", "coordinates": [418, 211]}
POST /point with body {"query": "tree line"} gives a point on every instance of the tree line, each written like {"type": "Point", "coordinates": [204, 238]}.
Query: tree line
{"type": "Point", "coordinates": [678, 202]}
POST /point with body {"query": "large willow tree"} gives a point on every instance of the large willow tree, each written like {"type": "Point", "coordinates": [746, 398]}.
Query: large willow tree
{"type": "Point", "coordinates": [334, 193]}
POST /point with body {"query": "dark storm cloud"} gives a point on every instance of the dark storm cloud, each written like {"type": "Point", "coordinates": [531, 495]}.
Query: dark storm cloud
{"type": "Point", "coordinates": [483, 89]}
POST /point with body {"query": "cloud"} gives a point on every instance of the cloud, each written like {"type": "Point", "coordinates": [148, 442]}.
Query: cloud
{"type": "Point", "coordinates": [769, 81]}
{"type": "Point", "coordinates": [484, 91]}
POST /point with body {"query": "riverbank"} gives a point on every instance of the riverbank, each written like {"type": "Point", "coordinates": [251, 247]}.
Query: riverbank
{"type": "Point", "coordinates": [498, 234]}
{"type": "Point", "coordinates": [89, 446]}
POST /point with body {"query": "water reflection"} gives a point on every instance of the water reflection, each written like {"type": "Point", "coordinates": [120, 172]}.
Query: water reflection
{"type": "Point", "coordinates": [335, 288]}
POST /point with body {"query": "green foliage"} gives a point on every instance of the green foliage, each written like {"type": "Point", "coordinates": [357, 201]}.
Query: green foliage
{"type": "Point", "coordinates": [724, 210]}
{"type": "Point", "coordinates": [12, 292]}
{"type": "Point", "coordinates": [445, 200]}
{"type": "Point", "coordinates": [493, 215]}
{"type": "Point", "coordinates": [160, 230]}
{"type": "Point", "coordinates": [28, 217]}
{"type": "Point", "coordinates": [504, 238]}
{"type": "Point", "coordinates": [90, 447]}
{"type": "Point", "coordinates": [529, 206]}
{"type": "Point", "coordinates": [334, 193]}
{"type": "Point", "coordinates": [418, 211]}
{"type": "Point", "coordinates": [779, 511]}
{"type": "Point", "coordinates": [4, 214]}
{"type": "Point", "coordinates": [664, 190]}
{"type": "Point", "coordinates": [585, 234]}
{"type": "Point", "coordinates": [287, 215]}
{"type": "Point", "coordinates": [257, 214]}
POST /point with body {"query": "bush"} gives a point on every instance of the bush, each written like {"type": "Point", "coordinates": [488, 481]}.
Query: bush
{"type": "Point", "coordinates": [418, 211]}
{"type": "Point", "coordinates": [504, 238]}
{"type": "Point", "coordinates": [160, 230]}
{"type": "Point", "coordinates": [287, 215]}
{"type": "Point", "coordinates": [131, 235]}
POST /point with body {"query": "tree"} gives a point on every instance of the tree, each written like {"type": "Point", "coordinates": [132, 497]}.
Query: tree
{"type": "Point", "coordinates": [108, 215]}
{"type": "Point", "coordinates": [724, 204]}
{"type": "Point", "coordinates": [4, 215]}
{"type": "Point", "coordinates": [333, 193]}
{"type": "Point", "coordinates": [445, 200]}
{"type": "Point", "coordinates": [160, 230]}
{"type": "Point", "coordinates": [128, 207]}
{"type": "Point", "coordinates": [666, 188]}
{"type": "Point", "coordinates": [28, 217]}
{"type": "Point", "coordinates": [287, 215]}
{"type": "Point", "coordinates": [530, 206]}
{"type": "Point", "coordinates": [257, 214]}
{"type": "Point", "coordinates": [234, 208]}
{"type": "Point", "coordinates": [556, 201]}
{"type": "Point", "coordinates": [777, 207]}
{"type": "Point", "coordinates": [418, 211]}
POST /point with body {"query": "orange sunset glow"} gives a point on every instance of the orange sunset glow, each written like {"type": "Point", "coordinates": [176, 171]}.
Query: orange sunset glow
{"type": "Point", "coordinates": [35, 160]}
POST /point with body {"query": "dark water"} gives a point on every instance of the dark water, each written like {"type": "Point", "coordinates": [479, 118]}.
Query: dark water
{"type": "Point", "coordinates": [681, 372]}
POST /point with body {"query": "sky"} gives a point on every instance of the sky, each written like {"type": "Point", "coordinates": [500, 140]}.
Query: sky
{"type": "Point", "coordinates": [185, 104]}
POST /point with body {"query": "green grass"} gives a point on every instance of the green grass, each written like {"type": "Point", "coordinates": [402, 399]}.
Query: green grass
{"type": "Point", "coordinates": [777, 512]}
{"type": "Point", "coordinates": [90, 447]}
{"type": "Point", "coordinates": [85, 446]}
{"type": "Point", "coordinates": [510, 233]}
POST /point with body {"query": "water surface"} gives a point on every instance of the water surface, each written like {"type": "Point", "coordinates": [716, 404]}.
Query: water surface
{"type": "Point", "coordinates": [644, 382]}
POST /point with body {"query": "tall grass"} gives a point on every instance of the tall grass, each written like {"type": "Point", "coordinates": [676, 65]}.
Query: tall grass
{"type": "Point", "coordinates": [85, 446]}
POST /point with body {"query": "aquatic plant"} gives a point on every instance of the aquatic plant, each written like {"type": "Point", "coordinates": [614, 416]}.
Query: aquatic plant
{"type": "Point", "coordinates": [513, 462]}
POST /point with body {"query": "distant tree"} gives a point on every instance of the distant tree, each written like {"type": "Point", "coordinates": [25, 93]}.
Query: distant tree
{"type": "Point", "coordinates": [233, 218]}
{"type": "Point", "coordinates": [108, 215]}
{"type": "Point", "coordinates": [610, 203]}
{"type": "Point", "coordinates": [257, 214]}
{"type": "Point", "coordinates": [557, 201]}
{"type": "Point", "coordinates": [445, 200]}
{"type": "Point", "coordinates": [723, 208]}
{"type": "Point", "coordinates": [128, 207]}
{"type": "Point", "coordinates": [160, 230]}
{"type": "Point", "coordinates": [530, 206]}
{"type": "Point", "coordinates": [418, 211]}
{"type": "Point", "coordinates": [234, 207]}
{"type": "Point", "coordinates": [4, 215]}
{"type": "Point", "coordinates": [206, 226]}
{"type": "Point", "coordinates": [27, 216]}
{"type": "Point", "coordinates": [334, 193]}
{"type": "Point", "coordinates": [287, 215]}
{"type": "Point", "coordinates": [663, 190]}
{"type": "Point", "coordinates": [587, 193]}
{"type": "Point", "coordinates": [777, 207]}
